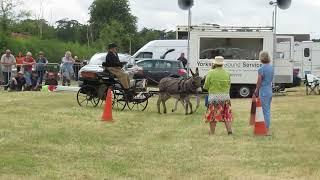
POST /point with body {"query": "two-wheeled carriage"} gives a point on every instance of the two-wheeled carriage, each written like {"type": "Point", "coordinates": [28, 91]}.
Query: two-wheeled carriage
{"type": "Point", "coordinates": [96, 84]}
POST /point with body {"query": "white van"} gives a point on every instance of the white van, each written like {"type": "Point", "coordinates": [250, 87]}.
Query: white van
{"type": "Point", "coordinates": [156, 49]}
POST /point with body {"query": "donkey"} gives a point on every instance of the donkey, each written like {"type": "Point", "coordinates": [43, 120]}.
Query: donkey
{"type": "Point", "coordinates": [181, 89]}
{"type": "Point", "coordinates": [197, 96]}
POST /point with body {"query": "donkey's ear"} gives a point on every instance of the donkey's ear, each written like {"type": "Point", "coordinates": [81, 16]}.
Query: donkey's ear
{"type": "Point", "coordinates": [192, 72]}
{"type": "Point", "coordinates": [197, 71]}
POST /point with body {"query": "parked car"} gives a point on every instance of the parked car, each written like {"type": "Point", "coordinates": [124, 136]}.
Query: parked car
{"type": "Point", "coordinates": [95, 63]}
{"type": "Point", "coordinates": [156, 69]}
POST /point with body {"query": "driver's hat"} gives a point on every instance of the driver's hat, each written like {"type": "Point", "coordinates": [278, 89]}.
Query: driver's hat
{"type": "Point", "coordinates": [112, 45]}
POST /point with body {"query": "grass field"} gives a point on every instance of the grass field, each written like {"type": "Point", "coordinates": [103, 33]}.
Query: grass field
{"type": "Point", "coordinates": [47, 136]}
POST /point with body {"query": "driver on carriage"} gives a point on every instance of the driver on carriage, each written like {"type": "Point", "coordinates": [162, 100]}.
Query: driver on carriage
{"type": "Point", "coordinates": [114, 66]}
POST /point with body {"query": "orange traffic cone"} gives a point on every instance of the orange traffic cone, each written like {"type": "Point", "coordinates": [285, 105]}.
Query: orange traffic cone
{"type": "Point", "coordinates": [259, 126]}
{"type": "Point", "coordinates": [107, 113]}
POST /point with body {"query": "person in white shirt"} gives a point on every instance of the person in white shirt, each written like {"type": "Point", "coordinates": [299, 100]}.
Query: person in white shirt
{"type": "Point", "coordinates": [7, 62]}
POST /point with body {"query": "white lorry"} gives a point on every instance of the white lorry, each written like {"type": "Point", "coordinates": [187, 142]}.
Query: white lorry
{"type": "Point", "coordinates": [157, 48]}
{"type": "Point", "coordinates": [240, 46]}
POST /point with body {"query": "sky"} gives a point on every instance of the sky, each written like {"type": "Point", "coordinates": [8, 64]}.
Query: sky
{"type": "Point", "coordinates": [166, 14]}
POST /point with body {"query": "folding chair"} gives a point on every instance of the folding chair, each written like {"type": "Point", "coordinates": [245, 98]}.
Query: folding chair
{"type": "Point", "coordinates": [312, 84]}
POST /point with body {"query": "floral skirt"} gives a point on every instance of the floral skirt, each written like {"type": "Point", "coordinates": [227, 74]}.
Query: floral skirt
{"type": "Point", "coordinates": [219, 112]}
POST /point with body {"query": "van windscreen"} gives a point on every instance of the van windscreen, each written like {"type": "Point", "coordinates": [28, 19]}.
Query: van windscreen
{"type": "Point", "coordinates": [231, 48]}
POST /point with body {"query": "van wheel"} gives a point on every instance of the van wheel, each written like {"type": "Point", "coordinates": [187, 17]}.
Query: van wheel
{"type": "Point", "coordinates": [244, 91]}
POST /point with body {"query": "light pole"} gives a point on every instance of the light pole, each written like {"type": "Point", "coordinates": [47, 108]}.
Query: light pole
{"type": "Point", "coordinates": [274, 24]}
{"type": "Point", "coordinates": [282, 4]}
{"type": "Point", "coordinates": [187, 5]}
{"type": "Point", "coordinates": [189, 30]}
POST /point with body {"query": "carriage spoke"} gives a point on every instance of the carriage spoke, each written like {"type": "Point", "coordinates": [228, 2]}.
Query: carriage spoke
{"type": "Point", "coordinates": [88, 94]}
{"type": "Point", "coordinates": [83, 101]}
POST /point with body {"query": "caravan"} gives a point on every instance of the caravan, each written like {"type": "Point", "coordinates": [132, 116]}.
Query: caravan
{"type": "Point", "coordinates": [305, 56]}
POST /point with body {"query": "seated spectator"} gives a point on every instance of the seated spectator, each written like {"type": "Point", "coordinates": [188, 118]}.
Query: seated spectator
{"type": "Point", "coordinates": [35, 82]}
{"type": "Point", "coordinates": [51, 80]}
{"type": "Point", "coordinates": [17, 83]}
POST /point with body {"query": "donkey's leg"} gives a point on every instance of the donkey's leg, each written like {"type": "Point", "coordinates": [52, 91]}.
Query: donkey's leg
{"type": "Point", "coordinates": [176, 105]}
{"type": "Point", "coordinates": [198, 102]}
{"type": "Point", "coordinates": [159, 103]}
{"type": "Point", "coordinates": [190, 104]}
{"type": "Point", "coordinates": [164, 106]}
{"type": "Point", "coordinates": [164, 100]}
{"type": "Point", "coordinates": [186, 102]}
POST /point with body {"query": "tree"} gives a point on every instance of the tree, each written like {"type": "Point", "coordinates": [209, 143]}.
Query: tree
{"type": "Point", "coordinates": [30, 27]}
{"type": "Point", "coordinates": [7, 13]}
{"type": "Point", "coordinates": [115, 32]}
{"type": "Point", "coordinates": [71, 30]}
{"type": "Point", "coordinates": [105, 11]}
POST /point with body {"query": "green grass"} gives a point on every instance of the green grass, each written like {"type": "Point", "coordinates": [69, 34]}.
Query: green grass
{"type": "Point", "coordinates": [47, 136]}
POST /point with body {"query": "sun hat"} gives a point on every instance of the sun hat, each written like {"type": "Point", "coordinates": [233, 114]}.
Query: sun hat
{"type": "Point", "coordinates": [218, 60]}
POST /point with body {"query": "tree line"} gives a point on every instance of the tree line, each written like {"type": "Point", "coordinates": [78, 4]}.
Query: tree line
{"type": "Point", "coordinates": [110, 21]}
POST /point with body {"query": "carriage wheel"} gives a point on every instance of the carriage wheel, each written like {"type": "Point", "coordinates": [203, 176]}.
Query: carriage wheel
{"type": "Point", "coordinates": [87, 96]}
{"type": "Point", "coordinates": [119, 101]}
{"type": "Point", "coordinates": [138, 105]}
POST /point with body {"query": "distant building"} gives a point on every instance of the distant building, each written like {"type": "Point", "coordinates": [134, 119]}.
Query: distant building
{"type": "Point", "coordinates": [298, 37]}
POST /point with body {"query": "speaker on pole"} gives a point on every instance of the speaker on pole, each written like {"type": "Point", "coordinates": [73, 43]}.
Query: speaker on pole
{"type": "Point", "coordinates": [284, 4]}
{"type": "Point", "coordinates": [185, 4]}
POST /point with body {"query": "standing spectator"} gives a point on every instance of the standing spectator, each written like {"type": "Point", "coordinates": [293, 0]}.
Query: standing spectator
{"type": "Point", "coordinates": [28, 63]}
{"type": "Point", "coordinates": [67, 68]}
{"type": "Point", "coordinates": [264, 86]}
{"type": "Point", "coordinates": [19, 60]}
{"type": "Point", "coordinates": [77, 66]}
{"type": "Point", "coordinates": [18, 82]}
{"type": "Point", "coordinates": [41, 66]}
{"type": "Point", "coordinates": [183, 60]}
{"type": "Point", "coordinates": [218, 84]}
{"type": "Point", "coordinates": [7, 61]}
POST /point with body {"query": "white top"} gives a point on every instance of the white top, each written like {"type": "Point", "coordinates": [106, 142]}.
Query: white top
{"type": "Point", "coordinates": [5, 60]}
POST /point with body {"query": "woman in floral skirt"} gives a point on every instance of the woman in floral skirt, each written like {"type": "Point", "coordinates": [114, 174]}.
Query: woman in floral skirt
{"type": "Point", "coordinates": [218, 84]}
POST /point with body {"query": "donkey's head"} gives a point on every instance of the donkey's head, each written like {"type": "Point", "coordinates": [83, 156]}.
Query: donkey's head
{"type": "Point", "coordinates": [196, 79]}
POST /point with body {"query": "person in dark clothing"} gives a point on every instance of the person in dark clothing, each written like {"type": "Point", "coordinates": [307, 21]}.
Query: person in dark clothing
{"type": "Point", "coordinates": [18, 82]}
{"type": "Point", "coordinates": [77, 66]}
{"type": "Point", "coordinates": [35, 82]}
{"type": "Point", "coordinates": [114, 66]}
{"type": "Point", "coordinates": [42, 62]}
{"type": "Point", "coordinates": [183, 60]}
